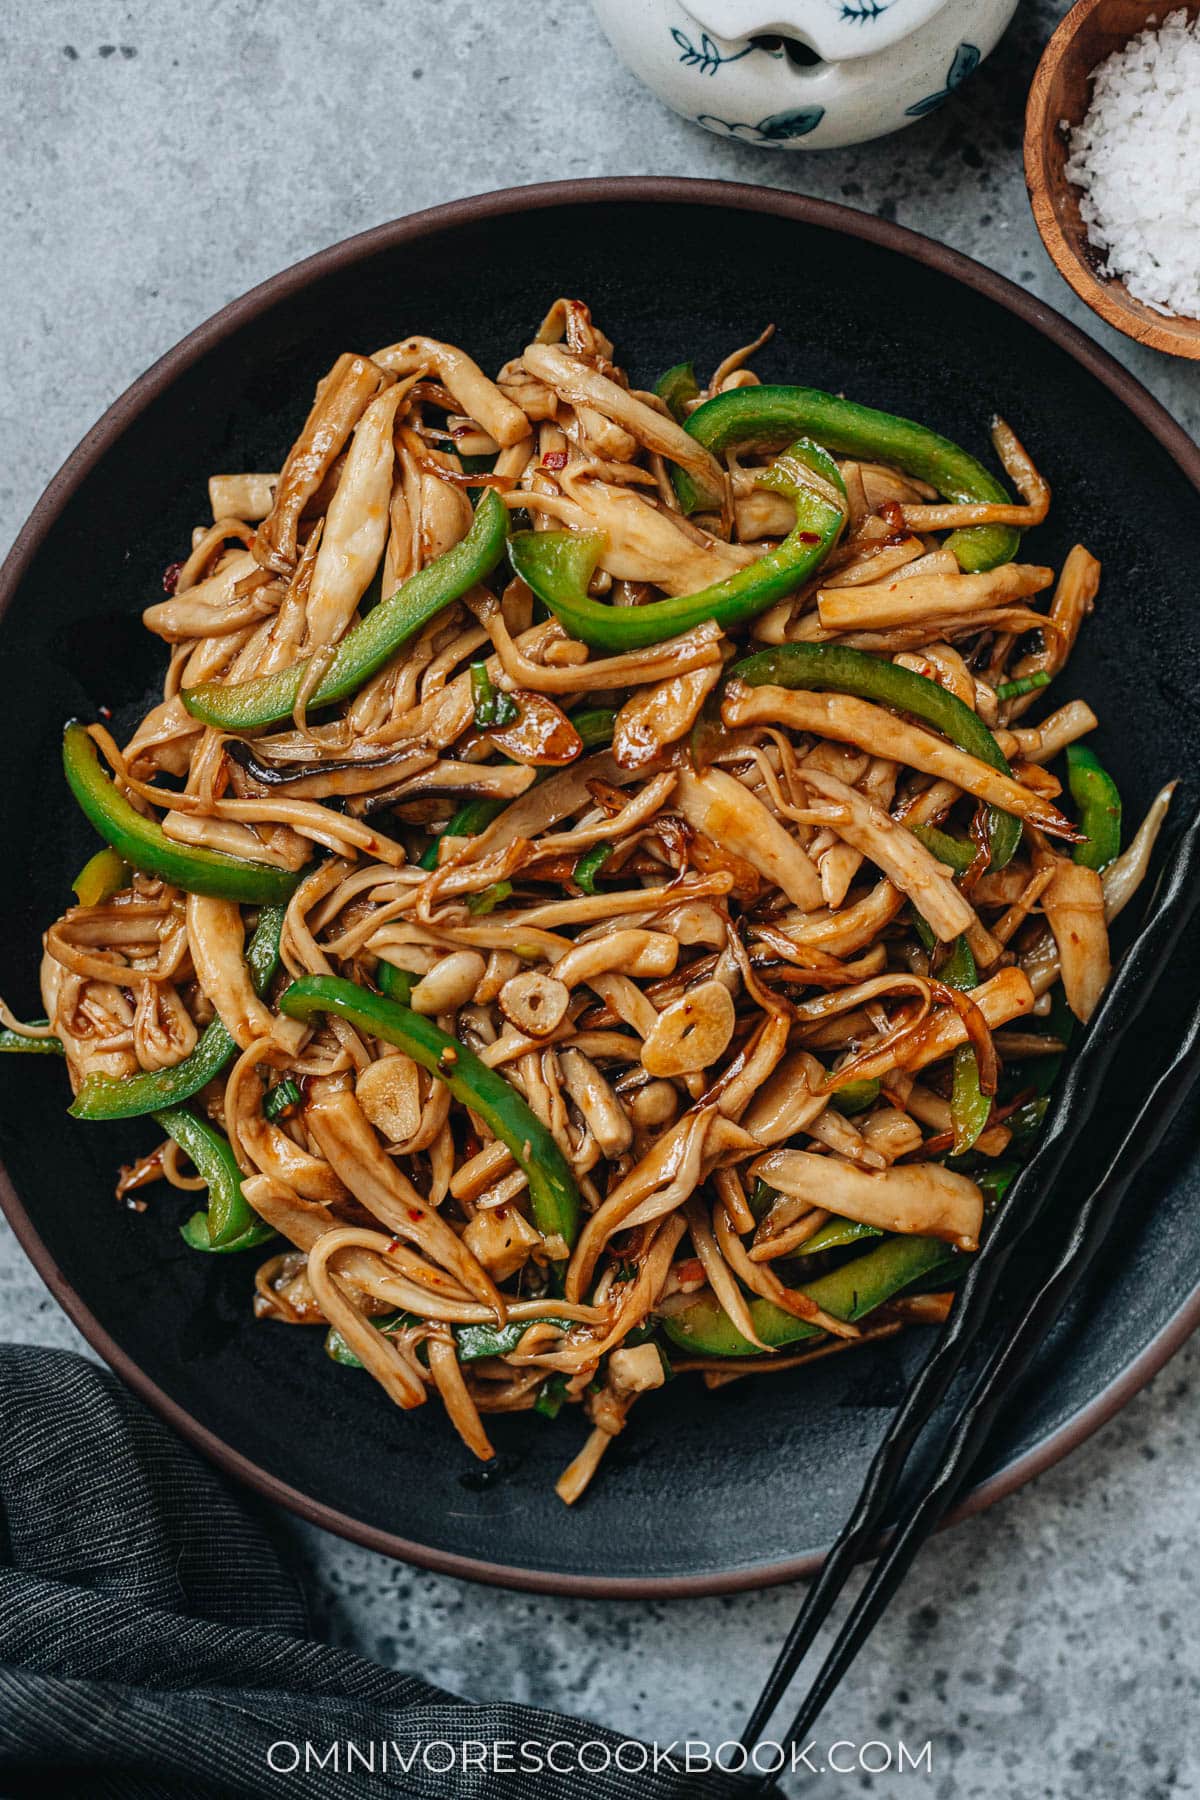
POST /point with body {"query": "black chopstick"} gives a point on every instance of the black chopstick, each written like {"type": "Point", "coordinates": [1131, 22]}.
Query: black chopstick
{"type": "Point", "coordinates": [1026, 1201]}
{"type": "Point", "coordinates": [1007, 1366]}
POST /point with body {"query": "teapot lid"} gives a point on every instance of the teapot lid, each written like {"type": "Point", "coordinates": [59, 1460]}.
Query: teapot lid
{"type": "Point", "coordinates": [835, 29]}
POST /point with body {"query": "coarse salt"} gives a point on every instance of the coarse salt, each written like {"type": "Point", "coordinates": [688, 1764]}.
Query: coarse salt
{"type": "Point", "coordinates": [1137, 158]}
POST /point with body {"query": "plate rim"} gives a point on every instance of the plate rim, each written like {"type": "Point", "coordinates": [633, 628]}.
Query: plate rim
{"type": "Point", "coordinates": [598, 190]}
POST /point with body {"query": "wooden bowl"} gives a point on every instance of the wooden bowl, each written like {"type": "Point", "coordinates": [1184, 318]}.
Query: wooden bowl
{"type": "Point", "coordinates": [1061, 91]}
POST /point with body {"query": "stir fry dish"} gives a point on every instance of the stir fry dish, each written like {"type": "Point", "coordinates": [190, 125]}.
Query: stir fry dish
{"type": "Point", "coordinates": [591, 903]}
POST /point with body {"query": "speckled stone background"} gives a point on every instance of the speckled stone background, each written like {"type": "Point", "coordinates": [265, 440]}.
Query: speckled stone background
{"type": "Point", "coordinates": [160, 158]}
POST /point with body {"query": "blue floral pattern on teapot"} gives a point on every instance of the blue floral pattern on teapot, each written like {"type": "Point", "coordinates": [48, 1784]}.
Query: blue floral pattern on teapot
{"type": "Point", "coordinates": [811, 74]}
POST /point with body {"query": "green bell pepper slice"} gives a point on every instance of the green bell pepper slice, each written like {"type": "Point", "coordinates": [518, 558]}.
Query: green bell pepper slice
{"type": "Point", "coordinates": [856, 1096]}
{"type": "Point", "coordinates": [367, 646]}
{"type": "Point", "coordinates": [970, 1107]}
{"type": "Point", "coordinates": [129, 1096]}
{"type": "Point", "coordinates": [835, 1235]}
{"type": "Point", "coordinates": [959, 969]}
{"type": "Point", "coordinates": [676, 387]}
{"type": "Point", "coordinates": [848, 1293]}
{"type": "Point", "coordinates": [1096, 795]}
{"type": "Point", "coordinates": [595, 725]}
{"type": "Point", "coordinates": [101, 876]}
{"type": "Point", "coordinates": [768, 416]}
{"type": "Point", "coordinates": [396, 984]}
{"type": "Point", "coordinates": [15, 1043]}
{"type": "Point", "coordinates": [558, 565]}
{"type": "Point", "coordinates": [553, 1195]}
{"type": "Point", "coordinates": [835, 668]}
{"type": "Point", "coordinates": [195, 1234]}
{"type": "Point", "coordinates": [955, 852]}
{"type": "Point", "coordinates": [995, 1182]}
{"type": "Point", "coordinates": [144, 844]}
{"type": "Point", "coordinates": [230, 1222]}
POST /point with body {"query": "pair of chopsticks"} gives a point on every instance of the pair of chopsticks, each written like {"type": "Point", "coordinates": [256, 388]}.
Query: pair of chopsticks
{"type": "Point", "coordinates": [1038, 1301]}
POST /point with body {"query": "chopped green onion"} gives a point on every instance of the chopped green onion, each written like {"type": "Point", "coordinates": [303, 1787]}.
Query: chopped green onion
{"type": "Point", "coordinates": [640, 1334]}
{"type": "Point", "coordinates": [339, 1351]}
{"type": "Point", "coordinates": [856, 1096]}
{"type": "Point", "coordinates": [550, 1396]}
{"type": "Point", "coordinates": [594, 725]}
{"type": "Point", "coordinates": [468, 821]}
{"type": "Point", "coordinates": [489, 898]}
{"type": "Point", "coordinates": [493, 706]}
{"type": "Point", "coordinates": [589, 866]}
{"type": "Point", "coordinates": [761, 1199]}
{"type": "Point", "coordinates": [1025, 684]}
{"type": "Point", "coordinates": [282, 1098]}
{"type": "Point", "coordinates": [474, 1342]}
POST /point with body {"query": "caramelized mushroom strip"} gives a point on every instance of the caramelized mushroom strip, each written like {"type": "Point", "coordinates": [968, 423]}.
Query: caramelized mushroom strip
{"type": "Point", "coordinates": [448, 1379]}
{"type": "Point", "coordinates": [665, 1177]}
{"type": "Point", "coordinates": [720, 1276]}
{"type": "Point", "coordinates": [1004, 996]}
{"type": "Point", "coordinates": [339, 1126]}
{"type": "Point", "coordinates": [262, 1144]}
{"type": "Point", "coordinates": [573, 380]}
{"type": "Point", "coordinates": [216, 940]}
{"type": "Point", "coordinates": [1074, 598]}
{"type": "Point", "coordinates": [1074, 907]}
{"type": "Point", "coordinates": [248, 497]}
{"type": "Point", "coordinates": [479, 398]}
{"type": "Point", "coordinates": [660, 716]}
{"type": "Point", "coordinates": [911, 597]}
{"type": "Point", "coordinates": [921, 1198]}
{"type": "Point", "coordinates": [790, 1101]}
{"type": "Point", "coordinates": [1051, 737]}
{"type": "Point", "coordinates": [216, 607]}
{"type": "Point", "coordinates": [762, 1280]}
{"type": "Point", "coordinates": [1019, 466]}
{"type": "Point", "coordinates": [396, 1372]}
{"type": "Point", "coordinates": [853, 721]}
{"type": "Point", "coordinates": [356, 524]}
{"type": "Point", "coordinates": [727, 812]}
{"type": "Point", "coordinates": [641, 543]}
{"type": "Point", "coordinates": [894, 850]}
{"type": "Point", "coordinates": [340, 402]}
{"type": "Point", "coordinates": [674, 659]}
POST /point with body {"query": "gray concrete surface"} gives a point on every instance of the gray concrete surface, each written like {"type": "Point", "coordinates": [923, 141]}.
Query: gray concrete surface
{"type": "Point", "coordinates": [159, 159]}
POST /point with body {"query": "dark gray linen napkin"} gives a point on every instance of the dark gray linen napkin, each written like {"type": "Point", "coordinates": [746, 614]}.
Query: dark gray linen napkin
{"type": "Point", "coordinates": [152, 1643]}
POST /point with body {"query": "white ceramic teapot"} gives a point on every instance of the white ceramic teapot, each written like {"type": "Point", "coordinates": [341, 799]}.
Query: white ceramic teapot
{"type": "Point", "coordinates": [803, 74]}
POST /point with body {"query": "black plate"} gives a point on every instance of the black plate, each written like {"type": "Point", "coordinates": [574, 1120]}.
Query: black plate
{"type": "Point", "coordinates": [704, 1491]}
